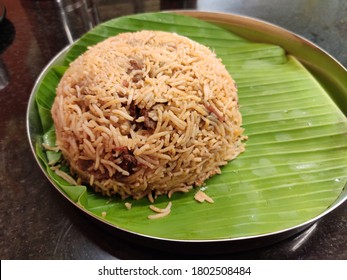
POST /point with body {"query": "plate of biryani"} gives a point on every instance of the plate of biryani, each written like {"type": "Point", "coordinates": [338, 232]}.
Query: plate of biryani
{"type": "Point", "coordinates": [194, 128]}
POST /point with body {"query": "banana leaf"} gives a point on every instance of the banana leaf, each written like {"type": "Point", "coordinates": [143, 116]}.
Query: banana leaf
{"type": "Point", "coordinates": [295, 163]}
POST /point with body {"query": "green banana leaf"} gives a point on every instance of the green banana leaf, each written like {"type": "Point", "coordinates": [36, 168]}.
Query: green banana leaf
{"type": "Point", "coordinates": [295, 163]}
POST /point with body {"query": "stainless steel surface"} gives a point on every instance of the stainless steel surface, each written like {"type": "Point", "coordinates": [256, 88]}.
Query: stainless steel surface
{"type": "Point", "coordinates": [309, 53]}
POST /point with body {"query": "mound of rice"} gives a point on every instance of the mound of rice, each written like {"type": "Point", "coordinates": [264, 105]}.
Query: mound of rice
{"type": "Point", "coordinates": [147, 113]}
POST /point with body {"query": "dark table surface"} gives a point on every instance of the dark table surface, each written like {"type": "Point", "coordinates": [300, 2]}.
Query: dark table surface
{"type": "Point", "coordinates": [37, 222]}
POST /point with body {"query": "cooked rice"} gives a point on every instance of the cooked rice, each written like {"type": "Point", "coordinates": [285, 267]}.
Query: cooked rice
{"type": "Point", "coordinates": [66, 177]}
{"type": "Point", "coordinates": [200, 196]}
{"type": "Point", "coordinates": [147, 113]}
{"type": "Point", "coordinates": [161, 212]}
{"type": "Point", "coordinates": [128, 205]}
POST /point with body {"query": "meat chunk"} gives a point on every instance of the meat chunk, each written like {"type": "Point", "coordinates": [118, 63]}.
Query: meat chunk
{"type": "Point", "coordinates": [128, 163]}
{"type": "Point", "coordinates": [136, 112]}
{"type": "Point", "coordinates": [135, 64]}
{"type": "Point", "coordinates": [136, 78]}
{"type": "Point", "coordinates": [84, 164]}
{"type": "Point", "coordinates": [125, 83]}
{"type": "Point", "coordinates": [148, 122]}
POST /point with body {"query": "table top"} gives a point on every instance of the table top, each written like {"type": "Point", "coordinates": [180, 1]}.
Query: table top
{"type": "Point", "coordinates": [36, 221]}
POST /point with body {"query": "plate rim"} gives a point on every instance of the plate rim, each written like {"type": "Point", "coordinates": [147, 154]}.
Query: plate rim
{"type": "Point", "coordinates": [261, 239]}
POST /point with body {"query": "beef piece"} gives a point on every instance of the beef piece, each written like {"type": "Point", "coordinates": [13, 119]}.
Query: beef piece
{"type": "Point", "coordinates": [84, 164]}
{"type": "Point", "coordinates": [136, 64]}
{"type": "Point", "coordinates": [128, 163]}
{"type": "Point", "coordinates": [134, 111]}
{"type": "Point", "coordinates": [98, 175]}
{"type": "Point", "coordinates": [148, 122]}
{"type": "Point", "coordinates": [125, 83]}
{"type": "Point", "coordinates": [136, 78]}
